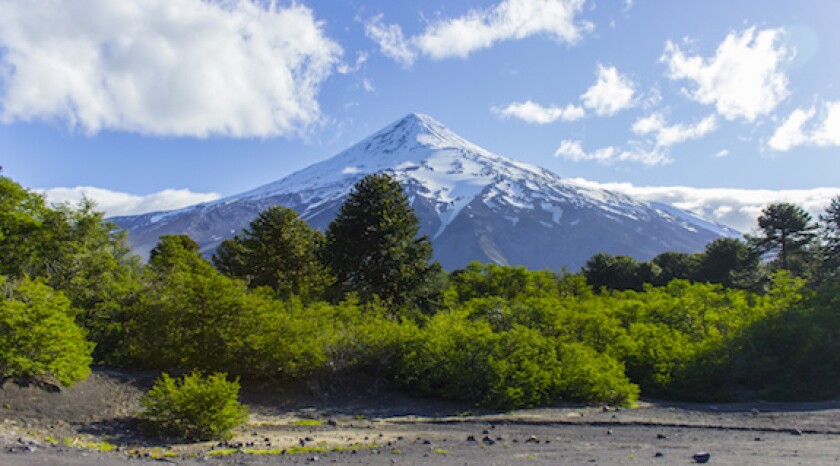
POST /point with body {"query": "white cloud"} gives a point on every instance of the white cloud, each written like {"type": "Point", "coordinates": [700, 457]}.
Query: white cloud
{"type": "Point", "coordinates": [367, 85]}
{"type": "Point", "coordinates": [481, 29]}
{"type": "Point", "coordinates": [345, 68]}
{"type": "Point", "coordinates": [723, 153]}
{"type": "Point", "coordinates": [164, 67]}
{"type": "Point", "coordinates": [737, 208]}
{"type": "Point", "coordinates": [668, 135]}
{"type": "Point", "coordinates": [645, 156]}
{"type": "Point", "coordinates": [115, 203]}
{"type": "Point", "coordinates": [611, 93]}
{"type": "Point", "coordinates": [792, 133]}
{"type": "Point", "coordinates": [392, 42]}
{"type": "Point", "coordinates": [743, 79]}
{"type": "Point", "coordinates": [572, 150]}
{"type": "Point", "coordinates": [532, 112]}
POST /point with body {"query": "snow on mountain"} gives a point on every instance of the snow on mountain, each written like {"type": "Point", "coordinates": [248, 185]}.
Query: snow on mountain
{"type": "Point", "coordinates": [473, 204]}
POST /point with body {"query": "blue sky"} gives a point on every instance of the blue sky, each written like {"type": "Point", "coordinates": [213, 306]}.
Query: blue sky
{"type": "Point", "coordinates": [716, 106]}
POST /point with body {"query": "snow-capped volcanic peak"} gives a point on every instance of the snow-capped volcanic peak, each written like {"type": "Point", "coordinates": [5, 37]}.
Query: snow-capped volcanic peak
{"type": "Point", "coordinates": [475, 205]}
{"type": "Point", "coordinates": [446, 170]}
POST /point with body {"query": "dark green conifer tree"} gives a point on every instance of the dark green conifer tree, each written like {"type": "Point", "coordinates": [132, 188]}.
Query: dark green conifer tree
{"type": "Point", "coordinates": [374, 248]}
{"type": "Point", "coordinates": [279, 251]}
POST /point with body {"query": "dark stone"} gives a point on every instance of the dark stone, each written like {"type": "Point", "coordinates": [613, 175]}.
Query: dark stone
{"type": "Point", "coordinates": [702, 457]}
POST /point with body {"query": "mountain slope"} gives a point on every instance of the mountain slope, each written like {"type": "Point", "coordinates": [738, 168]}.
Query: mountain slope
{"type": "Point", "coordinates": [473, 204]}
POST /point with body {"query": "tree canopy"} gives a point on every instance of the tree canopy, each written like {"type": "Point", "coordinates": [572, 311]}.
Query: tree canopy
{"type": "Point", "coordinates": [785, 230]}
{"type": "Point", "coordinates": [374, 248]}
{"type": "Point", "coordinates": [279, 251]}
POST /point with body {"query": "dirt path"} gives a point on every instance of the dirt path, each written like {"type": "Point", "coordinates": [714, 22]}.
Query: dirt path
{"type": "Point", "coordinates": [70, 427]}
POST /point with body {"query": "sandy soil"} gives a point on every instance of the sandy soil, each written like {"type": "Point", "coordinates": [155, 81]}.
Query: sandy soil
{"type": "Point", "coordinates": [361, 426]}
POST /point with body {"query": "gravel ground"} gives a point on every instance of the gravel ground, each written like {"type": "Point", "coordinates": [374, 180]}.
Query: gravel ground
{"type": "Point", "coordinates": [68, 428]}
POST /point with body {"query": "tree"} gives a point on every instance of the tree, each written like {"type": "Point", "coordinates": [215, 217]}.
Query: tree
{"type": "Point", "coordinates": [831, 239]}
{"type": "Point", "coordinates": [373, 247]}
{"type": "Point", "coordinates": [188, 315]}
{"type": "Point", "coordinates": [786, 229]}
{"type": "Point", "coordinates": [676, 265]}
{"type": "Point", "coordinates": [72, 249]}
{"type": "Point", "coordinates": [38, 335]}
{"type": "Point", "coordinates": [279, 251]}
{"type": "Point", "coordinates": [618, 272]}
{"type": "Point", "coordinates": [729, 262]}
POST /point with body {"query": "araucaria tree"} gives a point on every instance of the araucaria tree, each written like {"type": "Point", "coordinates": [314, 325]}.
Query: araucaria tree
{"type": "Point", "coordinates": [831, 239]}
{"type": "Point", "coordinates": [373, 247]}
{"type": "Point", "coordinates": [786, 229]}
{"type": "Point", "coordinates": [280, 251]}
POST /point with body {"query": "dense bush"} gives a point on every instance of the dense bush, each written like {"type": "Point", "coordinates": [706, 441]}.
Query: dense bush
{"type": "Point", "coordinates": [458, 358]}
{"type": "Point", "coordinates": [716, 325]}
{"type": "Point", "coordinates": [38, 334]}
{"type": "Point", "coordinates": [194, 407]}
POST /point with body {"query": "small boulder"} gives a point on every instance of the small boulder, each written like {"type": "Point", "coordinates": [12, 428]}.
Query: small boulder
{"type": "Point", "coordinates": [702, 457]}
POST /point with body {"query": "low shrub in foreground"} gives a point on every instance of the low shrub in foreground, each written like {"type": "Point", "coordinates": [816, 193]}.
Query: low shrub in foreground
{"type": "Point", "coordinates": [194, 407]}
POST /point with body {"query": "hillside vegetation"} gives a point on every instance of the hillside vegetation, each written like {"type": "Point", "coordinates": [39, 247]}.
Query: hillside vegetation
{"type": "Point", "coordinates": [746, 319]}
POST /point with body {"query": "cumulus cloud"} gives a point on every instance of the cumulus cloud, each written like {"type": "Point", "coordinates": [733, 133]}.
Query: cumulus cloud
{"type": "Point", "coordinates": [392, 42]}
{"type": "Point", "coordinates": [742, 80]}
{"type": "Point", "coordinates": [115, 203]}
{"type": "Point", "coordinates": [481, 29]}
{"type": "Point", "coordinates": [346, 68]}
{"type": "Point", "coordinates": [611, 93]}
{"type": "Point", "coordinates": [237, 68]}
{"type": "Point", "coordinates": [532, 112]}
{"type": "Point", "coordinates": [667, 135]}
{"type": "Point", "coordinates": [792, 132]}
{"type": "Point", "coordinates": [573, 150]}
{"type": "Point", "coordinates": [737, 208]}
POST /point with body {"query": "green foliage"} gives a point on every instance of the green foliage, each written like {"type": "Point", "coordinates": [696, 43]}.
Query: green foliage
{"type": "Point", "coordinates": [708, 326]}
{"type": "Point", "coordinates": [830, 264]}
{"type": "Point", "coordinates": [676, 266]}
{"type": "Point", "coordinates": [193, 407]}
{"type": "Point", "coordinates": [73, 249]}
{"type": "Point", "coordinates": [374, 249]}
{"type": "Point", "coordinates": [786, 231]}
{"type": "Point", "coordinates": [38, 335]}
{"type": "Point", "coordinates": [618, 272]}
{"type": "Point", "coordinates": [279, 251]}
{"type": "Point", "coordinates": [490, 280]}
{"type": "Point", "coordinates": [731, 263]}
{"type": "Point", "coordinates": [459, 358]}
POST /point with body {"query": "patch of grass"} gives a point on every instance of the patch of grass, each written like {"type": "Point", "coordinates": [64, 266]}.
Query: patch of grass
{"type": "Point", "coordinates": [354, 446]}
{"type": "Point", "coordinates": [308, 422]}
{"type": "Point", "coordinates": [301, 450]}
{"type": "Point", "coordinates": [441, 451]}
{"type": "Point", "coordinates": [51, 440]}
{"type": "Point", "coordinates": [222, 452]}
{"type": "Point", "coordinates": [77, 443]}
{"type": "Point", "coordinates": [396, 452]}
{"type": "Point", "coordinates": [272, 451]}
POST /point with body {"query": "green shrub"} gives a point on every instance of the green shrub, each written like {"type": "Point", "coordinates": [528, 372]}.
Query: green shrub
{"type": "Point", "coordinates": [38, 335]}
{"type": "Point", "coordinates": [193, 408]}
